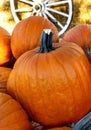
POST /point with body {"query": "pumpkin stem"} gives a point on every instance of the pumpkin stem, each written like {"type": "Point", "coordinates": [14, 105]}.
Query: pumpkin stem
{"type": "Point", "coordinates": [46, 41]}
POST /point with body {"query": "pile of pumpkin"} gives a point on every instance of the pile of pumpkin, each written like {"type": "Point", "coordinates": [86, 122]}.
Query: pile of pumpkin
{"type": "Point", "coordinates": [44, 81]}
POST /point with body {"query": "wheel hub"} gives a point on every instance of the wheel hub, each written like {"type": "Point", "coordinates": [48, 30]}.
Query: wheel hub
{"type": "Point", "coordinates": [38, 7]}
{"type": "Point", "coordinates": [50, 9]}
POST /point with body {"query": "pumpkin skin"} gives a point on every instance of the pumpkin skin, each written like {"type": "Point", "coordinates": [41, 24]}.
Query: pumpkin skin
{"type": "Point", "coordinates": [81, 35]}
{"type": "Point", "coordinates": [5, 49]}
{"type": "Point", "coordinates": [12, 115]}
{"type": "Point", "coordinates": [48, 83]}
{"type": "Point", "coordinates": [37, 126]}
{"type": "Point", "coordinates": [26, 34]}
{"type": "Point", "coordinates": [61, 128]}
{"type": "Point", "coordinates": [4, 74]}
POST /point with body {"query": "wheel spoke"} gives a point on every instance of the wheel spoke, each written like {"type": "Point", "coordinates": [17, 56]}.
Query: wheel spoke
{"type": "Point", "coordinates": [24, 10]}
{"type": "Point", "coordinates": [44, 15]}
{"type": "Point", "coordinates": [40, 14]}
{"type": "Point", "coordinates": [57, 3]}
{"type": "Point", "coordinates": [54, 19]}
{"type": "Point", "coordinates": [37, 14]}
{"type": "Point", "coordinates": [47, 9]}
{"type": "Point", "coordinates": [36, 1]}
{"type": "Point", "coordinates": [46, 1]}
{"type": "Point", "coordinates": [26, 2]}
{"type": "Point", "coordinates": [60, 25]}
{"type": "Point", "coordinates": [50, 15]}
{"type": "Point", "coordinates": [58, 12]}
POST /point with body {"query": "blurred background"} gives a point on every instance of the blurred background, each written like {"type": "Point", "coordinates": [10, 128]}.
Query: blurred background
{"type": "Point", "coordinates": [81, 14]}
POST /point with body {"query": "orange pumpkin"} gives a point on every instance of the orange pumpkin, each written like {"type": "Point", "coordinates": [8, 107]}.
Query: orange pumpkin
{"type": "Point", "coordinates": [26, 34]}
{"type": "Point", "coordinates": [12, 115]}
{"type": "Point", "coordinates": [5, 49]}
{"type": "Point", "coordinates": [50, 82]}
{"type": "Point", "coordinates": [4, 74]}
{"type": "Point", "coordinates": [81, 35]}
{"type": "Point", "coordinates": [37, 126]}
{"type": "Point", "coordinates": [60, 128]}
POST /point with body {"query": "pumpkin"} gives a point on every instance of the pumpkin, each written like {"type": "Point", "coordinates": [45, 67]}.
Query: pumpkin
{"type": "Point", "coordinates": [81, 35]}
{"type": "Point", "coordinates": [52, 82]}
{"type": "Point", "coordinates": [12, 115]}
{"type": "Point", "coordinates": [5, 49]}
{"type": "Point", "coordinates": [37, 126]}
{"type": "Point", "coordinates": [61, 128]}
{"type": "Point", "coordinates": [26, 34]}
{"type": "Point", "coordinates": [4, 74]}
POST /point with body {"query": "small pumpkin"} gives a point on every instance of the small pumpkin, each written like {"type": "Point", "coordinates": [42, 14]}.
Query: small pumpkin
{"type": "Point", "coordinates": [60, 128]}
{"type": "Point", "coordinates": [12, 115]}
{"type": "Point", "coordinates": [4, 74]}
{"type": "Point", "coordinates": [5, 49]}
{"type": "Point", "coordinates": [37, 126]}
{"type": "Point", "coordinates": [26, 34]}
{"type": "Point", "coordinates": [48, 80]}
{"type": "Point", "coordinates": [81, 35]}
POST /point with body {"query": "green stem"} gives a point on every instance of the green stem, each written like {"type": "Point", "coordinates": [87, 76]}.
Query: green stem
{"type": "Point", "coordinates": [46, 41]}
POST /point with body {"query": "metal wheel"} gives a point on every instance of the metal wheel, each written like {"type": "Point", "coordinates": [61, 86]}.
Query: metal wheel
{"type": "Point", "coordinates": [58, 11]}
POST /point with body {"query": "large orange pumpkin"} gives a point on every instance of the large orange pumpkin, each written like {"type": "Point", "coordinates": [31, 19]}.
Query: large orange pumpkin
{"type": "Point", "coordinates": [81, 35]}
{"type": "Point", "coordinates": [5, 49]}
{"type": "Point", "coordinates": [4, 74]}
{"type": "Point", "coordinates": [52, 82]}
{"type": "Point", "coordinates": [37, 126]}
{"type": "Point", "coordinates": [26, 34]}
{"type": "Point", "coordinates": [12, 115]}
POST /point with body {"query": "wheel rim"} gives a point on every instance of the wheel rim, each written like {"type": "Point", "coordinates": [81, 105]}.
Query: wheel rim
{"type": "Point", "coordinates": [58, 11]}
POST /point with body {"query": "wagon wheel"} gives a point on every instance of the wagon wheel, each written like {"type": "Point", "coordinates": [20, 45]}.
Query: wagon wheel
{"type": "Point", "coordinates": [57, 11]}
